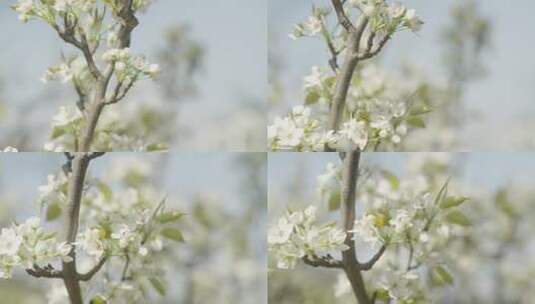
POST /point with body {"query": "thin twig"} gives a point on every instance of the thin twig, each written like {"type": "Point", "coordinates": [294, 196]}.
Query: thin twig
{"type": "Point", "coordinates": [342, 17]}
{"type": "Point", "coordinates": [124, 276]}
{"type": "Point", "coordinates": [368, 265]}
{"type": "Point", "coordinates": [377, 50]}
{"type": "Point", "coordinates": [326, 262]}
{"type": "Point", "coordinates": [47, 272]}
{"type": "Point", "coordinates": [89, 275]}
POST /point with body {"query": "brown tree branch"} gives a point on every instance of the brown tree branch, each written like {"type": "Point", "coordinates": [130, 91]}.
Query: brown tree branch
{"type": "Point", "coordinates": [70, 276]}
{"type": "Point", "coordinates": [44, 272]}
{"type": "Point", "coordinates": [342, 17]}
{"type": "Point", "coordinates": [128, 22]}
{"type": "Point", "coordinates": [369, 54]}
{"type": "Point", "coordinates": [346, 74]}
{"type": "Point", "coordinates": [349, 257]}
{"type": "Point", "coordinates": [124, 275]}
{"type": "Point", "coordinates": [326, 262]}
{"type": "Point", "coordinates": [368, 265]}
{"type": "Point", "coordinates": [89, 275]}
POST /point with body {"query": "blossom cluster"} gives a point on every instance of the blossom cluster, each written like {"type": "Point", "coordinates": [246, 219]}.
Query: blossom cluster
{"type": "Point", "coordinates": [50, 10]}
{"type": "Point", "coordinates": [297, 235]}
{"type": "Point", "coordinates": [130, 67]}
{"type": "Point", "coordinates": [67, 126]}
{"type": "Point", "coordinates": [384, 18]}
{"type": "Point", "coordinates": [114, 133]}
{"type": "Point", "coordinates": [74, 71]}
{"type": "Point", "coordinates": [10, 149]}
{"type": "Point", "coordinates": [380, 114]}
{"type": "Point", "coordinates": [418, 217]}
{"type": "Point", "coordinates": [388, 17]}
{"type": "Point", "coordinates": [121, 218]}
{"type": "Point", "coordinates": [27, 246]}
{"type": "Point", "coordinates": [416, 220]}
{"type": "Point", "coordinates": [84, 23]}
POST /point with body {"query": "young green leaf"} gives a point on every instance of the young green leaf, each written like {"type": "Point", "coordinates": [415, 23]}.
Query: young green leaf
{"type": "Point", "coordinates": [502, 201]}
{"type": "Point", "coordinates": [441, 276]}
{"type": "Point", "coordinates": [312, 97]}
{"type": "Point", "coordinates": [392, 179]}
{"type": "Point", "coordinates": [53, 212]}
{"type": "Point", "coordinates": [173, 234]}
{"type": "Point", "coordinates": [158, 285]}
{"type": "Point", "coordinates": [105, 190]}
{"type": "Point", "coordinates": [416, 122]}
{"type": "Point", "coordinates": [98, 300]}
{"type": "Point", "coordinates": [457, 217]}
{"type": "Point", "coordinates": [169, 217]}
{"type": "Point", "coordinates": [334, 201]}
{"type": "Point", "coordinates": [442, 192]}
{"type": "Point", "coordinates": [452, 201]}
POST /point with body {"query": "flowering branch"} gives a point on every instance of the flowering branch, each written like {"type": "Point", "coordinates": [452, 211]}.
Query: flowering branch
{"type": "Point", "coordinates": [402, 216]}
{"type": "Point", "coordinates": [360, 109]}
{"type": "Point", "coordinates": [81, 24]}
{"type": "Point", "coordinates": [130, 226]}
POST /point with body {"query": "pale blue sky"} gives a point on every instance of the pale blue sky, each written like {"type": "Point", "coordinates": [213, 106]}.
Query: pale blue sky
{"type": "Point", "coordinates": [505, 100]}
{"type": "Point", "coordinates": [483, 169]}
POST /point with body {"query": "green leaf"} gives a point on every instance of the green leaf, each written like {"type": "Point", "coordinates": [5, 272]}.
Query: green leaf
{"type": "Point", "coordinates": [382, 294]}
{"type": "Point", "coordinates": [157, 147]}
{"type": "Point", "coordinates": [453, 201]}
{"type": "Point", "coordinates": [53, 212]}
{"type": "Point", "coordinates": [98, 300]}
{"type": "Point", "coordinates": [334, 201]}
{"type": "Point", "coordinates": [416, 122]}
{"type": "Point", "coordinates": [58, 131]}
{"type": "Point", "coordinates": [158, 285]}
{"type": "Point", "coordinates": [168, 217]}
{"type": "Point", "coordinates": [502, 201]}
{"type": "Point", "coordinates": [441, 276]}
{"type": "Point", "coordinates": [392, 179]}
{"type": "Point", "coordinates": [457, 217]}
{"type": "Point", "coordinates": [442, 192]}
{"type": "Point", "coordinates": [50, 236]}
{"type": "Point", "coordinates": [173, 234]}
{"type": "Point", "coordinates": [419, 111]}
{"type": "Point", "coordinates": [312, 97]}
{"type": "Point", "coordinates": [105, 190]}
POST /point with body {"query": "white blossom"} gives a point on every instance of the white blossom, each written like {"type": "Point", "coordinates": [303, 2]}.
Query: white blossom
{"type": "Point", "coordinates": [412, 21]}
{"type": "Point", "coordinates": [90, 241]}
{"type": "Point", "coordinates": [311, 27]}
{"type": "Point", "coordinates": [297, 235]}
{"type": "Point", "coordinates": [10, 149]}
